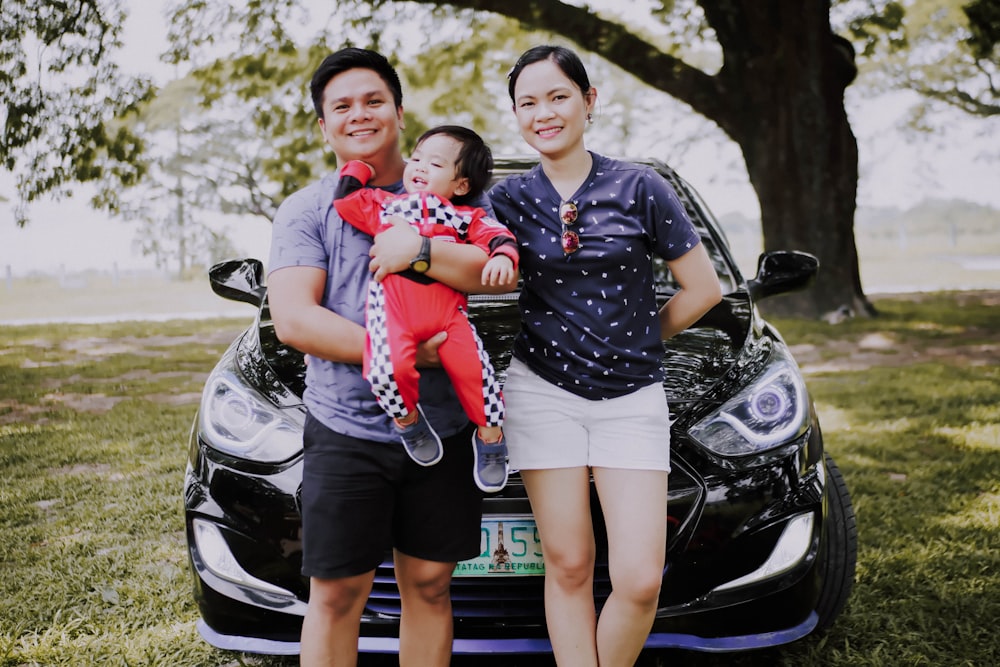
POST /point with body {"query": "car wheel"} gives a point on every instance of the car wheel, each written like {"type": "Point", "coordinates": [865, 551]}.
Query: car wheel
{"type": "Point", "coordinates": [841, 548]}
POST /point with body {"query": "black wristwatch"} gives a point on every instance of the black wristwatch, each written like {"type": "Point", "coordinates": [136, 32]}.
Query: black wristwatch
{"type": "Point", "coordinates": [422, 261]}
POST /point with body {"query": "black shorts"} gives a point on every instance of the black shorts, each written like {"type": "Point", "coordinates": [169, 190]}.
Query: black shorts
{"type": "Point", "coordinates": [361, 498]}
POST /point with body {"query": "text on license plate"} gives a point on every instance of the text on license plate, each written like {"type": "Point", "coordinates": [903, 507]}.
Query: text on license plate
{"type": "Point", "coordinates": [509, 546]}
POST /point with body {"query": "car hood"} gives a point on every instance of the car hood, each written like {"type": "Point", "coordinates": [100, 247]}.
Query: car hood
{"type": "Point", "coordinates": [695, 360]}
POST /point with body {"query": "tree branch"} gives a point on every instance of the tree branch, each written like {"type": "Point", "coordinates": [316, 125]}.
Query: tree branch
{"type": "Point", "coordinates": [612, 41]}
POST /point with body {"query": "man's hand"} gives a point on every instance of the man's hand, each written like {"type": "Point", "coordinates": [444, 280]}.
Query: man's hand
{"type": "Point", "coordinates": [427, 352]}
{"type": "Point", "coordinates": [394, 248]}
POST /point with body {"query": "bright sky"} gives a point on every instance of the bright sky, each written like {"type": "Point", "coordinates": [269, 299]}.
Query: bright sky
{"type": "Point", "coordinates": [68, 235]}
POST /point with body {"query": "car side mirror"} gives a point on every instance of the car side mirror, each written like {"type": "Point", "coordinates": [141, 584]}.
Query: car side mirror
{"type": "Point", "coordinates": [782, 271]}
{"type": "Point", "coordinates": [239, 280]}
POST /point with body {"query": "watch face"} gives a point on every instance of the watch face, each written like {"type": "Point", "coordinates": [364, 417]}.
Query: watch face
{"type": "Point", "coordinates": [422, 261]}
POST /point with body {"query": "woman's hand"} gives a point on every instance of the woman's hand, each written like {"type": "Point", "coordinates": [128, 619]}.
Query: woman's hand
{"type": "Point", "coordinates": [700, 291]}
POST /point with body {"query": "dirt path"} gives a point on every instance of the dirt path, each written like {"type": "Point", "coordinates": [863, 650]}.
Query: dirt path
{"type": "Point", "coordinates": [964, 347]}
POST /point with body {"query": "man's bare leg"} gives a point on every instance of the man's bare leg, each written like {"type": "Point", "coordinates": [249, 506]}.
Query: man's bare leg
{"type": "Point", "coordinates": [333, 621]}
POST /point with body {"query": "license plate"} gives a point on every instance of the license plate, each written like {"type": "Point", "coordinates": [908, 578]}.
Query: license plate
{"type": "Point", "coordinates": [510, 546]}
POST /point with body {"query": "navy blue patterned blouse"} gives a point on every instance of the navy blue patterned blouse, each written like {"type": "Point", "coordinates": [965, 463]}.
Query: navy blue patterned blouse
{"type": "Point", "coordinates": [589, 319]}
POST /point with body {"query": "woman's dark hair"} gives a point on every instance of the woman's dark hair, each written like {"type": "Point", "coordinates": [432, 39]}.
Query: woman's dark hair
{"type": "Point", "coordinates": [475, 160]}
{"type": "Point", "coordinates": [353, 58]}
{"type": "Point", "coordinates": [565, 59]}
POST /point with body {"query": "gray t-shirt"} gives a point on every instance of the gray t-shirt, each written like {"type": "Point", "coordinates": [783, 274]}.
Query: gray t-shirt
{"type": "Point", "coordinates": [307, 231]}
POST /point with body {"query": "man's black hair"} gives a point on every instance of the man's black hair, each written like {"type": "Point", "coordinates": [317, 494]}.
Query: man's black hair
{"type": "Point", "coordinates": [353, 58]}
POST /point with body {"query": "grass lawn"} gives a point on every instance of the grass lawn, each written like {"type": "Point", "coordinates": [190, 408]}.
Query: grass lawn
{"type": "Point", "coordinates": [94, 421]}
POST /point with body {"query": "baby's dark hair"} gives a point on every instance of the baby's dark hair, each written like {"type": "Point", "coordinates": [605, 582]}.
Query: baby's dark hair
{"type": "Point", "coordinates": [475, 160]}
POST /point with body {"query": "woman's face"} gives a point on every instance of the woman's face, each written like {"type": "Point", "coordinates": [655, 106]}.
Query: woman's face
{"type": "Point", "coordinates": [551, 109]}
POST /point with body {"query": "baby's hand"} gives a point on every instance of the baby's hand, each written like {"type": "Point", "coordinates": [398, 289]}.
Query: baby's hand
{"type": "Point", "coordinates": [499, 271]}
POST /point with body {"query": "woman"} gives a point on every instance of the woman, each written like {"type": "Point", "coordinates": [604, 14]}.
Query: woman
{"type": "Point", "coordinates": [584, 389]}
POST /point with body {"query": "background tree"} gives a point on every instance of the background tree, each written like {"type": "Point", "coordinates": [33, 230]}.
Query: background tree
{"type": "Point", "coordinates": [769, 74]}
{"type": "Point", "coordinates": [776, 90]}
{"type": "Point", "coordinates": [176, 204]}
{"type": "Point", "coordinates": [62, 97]}
{"type": "Point", "coordinates": [946, 51]}
{"type": "Point", "coordinates": [447, 81]}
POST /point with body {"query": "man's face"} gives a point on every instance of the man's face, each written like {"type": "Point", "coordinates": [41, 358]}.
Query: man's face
{"type": "Point", "coordinates": [360, 119]}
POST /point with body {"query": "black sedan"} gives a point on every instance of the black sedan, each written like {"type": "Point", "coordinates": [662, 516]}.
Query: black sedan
{"type": "Point", "coordinates": [762, 540]}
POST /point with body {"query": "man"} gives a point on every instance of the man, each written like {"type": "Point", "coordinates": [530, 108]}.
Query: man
{"type": "Point", "coordinates": [360, 490]}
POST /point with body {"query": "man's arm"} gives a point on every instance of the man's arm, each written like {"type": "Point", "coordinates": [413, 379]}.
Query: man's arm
{"type": "Point", "coordinates": [458, 265]}
{"type": "Point", "coordinates": [295, 296]}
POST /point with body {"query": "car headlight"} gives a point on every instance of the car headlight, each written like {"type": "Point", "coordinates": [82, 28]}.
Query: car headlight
{"type": "Point", "coordinates": [239, 421]}
{"type": "Point", "coordinates": [769, 412]}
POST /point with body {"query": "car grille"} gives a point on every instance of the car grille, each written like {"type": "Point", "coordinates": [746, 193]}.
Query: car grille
{"type": "Point", "coordinates": [518, 599]}
{"type": "Point", "coordinates": [507, 597]}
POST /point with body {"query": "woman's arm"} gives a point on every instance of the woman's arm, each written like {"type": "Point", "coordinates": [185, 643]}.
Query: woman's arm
{"type": "Point", "coordinates": [699, 292]}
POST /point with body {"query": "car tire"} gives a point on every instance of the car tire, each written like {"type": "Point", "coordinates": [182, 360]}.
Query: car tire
{"type": "Point", "coordinates": [840, 551]}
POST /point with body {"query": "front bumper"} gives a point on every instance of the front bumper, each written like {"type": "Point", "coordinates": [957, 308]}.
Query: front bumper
{"type": "Point", "coordinates": [259, 608]}
{"type": "Point", "coordinates": [665, 640]}
{"type": "Point", "coordinates": [737, 582]}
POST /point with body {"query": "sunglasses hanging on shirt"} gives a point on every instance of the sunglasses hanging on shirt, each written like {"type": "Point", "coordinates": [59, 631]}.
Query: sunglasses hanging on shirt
{"type": "Point", "coordinates": [570, 239]}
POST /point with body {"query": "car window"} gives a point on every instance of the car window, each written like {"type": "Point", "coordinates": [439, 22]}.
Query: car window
{"type": "Point", "coordinates": [712, 237]}
{"type": "Point", "coordinates": [728, 281]}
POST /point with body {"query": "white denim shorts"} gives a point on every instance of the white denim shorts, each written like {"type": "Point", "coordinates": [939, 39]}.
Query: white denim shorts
{"type": "Point", "coordinates": [549, 427]}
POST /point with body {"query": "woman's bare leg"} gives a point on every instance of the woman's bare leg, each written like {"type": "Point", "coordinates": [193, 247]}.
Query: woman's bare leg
{"type": "Point", "coordinates": [634, 503]}
{"type": "Point", "coordinates": [560, 501]}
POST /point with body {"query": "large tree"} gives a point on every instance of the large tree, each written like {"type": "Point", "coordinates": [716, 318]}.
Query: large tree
{"type": "Point", "coordinates": [947, 51]}
{"type": "Point", "coordinates": [773, 80]}
{"type": "Point", "coordinates": [779, 94]}
{"type": "Point", "coordinates": [776, 89]}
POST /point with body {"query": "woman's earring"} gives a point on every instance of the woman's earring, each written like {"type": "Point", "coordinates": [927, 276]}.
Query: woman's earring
{"type": "Point", "coordinates": [590, 118]}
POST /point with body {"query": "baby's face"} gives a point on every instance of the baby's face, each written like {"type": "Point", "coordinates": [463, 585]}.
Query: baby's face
{"type": "Point", "coordinates": [433, 167]}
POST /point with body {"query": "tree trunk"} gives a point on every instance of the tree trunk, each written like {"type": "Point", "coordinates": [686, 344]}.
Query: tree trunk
{"type": "Point", "coordinates": [779, 95]}
{"type": "Point", "coordinates": [787, 74]}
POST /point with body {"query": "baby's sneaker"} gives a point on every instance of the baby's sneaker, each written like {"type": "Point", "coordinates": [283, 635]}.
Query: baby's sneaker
{"type": "Point", "coordinates": [490, 467]}
{"type": "Point", "coordinates": [420, 441]}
